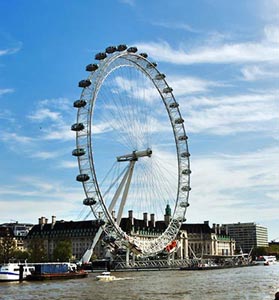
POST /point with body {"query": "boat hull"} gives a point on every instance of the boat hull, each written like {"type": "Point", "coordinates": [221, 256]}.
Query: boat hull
{"type": "Point", "coordinates": [9, 276]}
{"type": "Point", "coordinates": [11, 271]}
{"type": "Point", "coordinates": [105, 278]}
{"type": "Point", "coordinates": [57, 276]}
{"type": "Point", "coordinates": [202, 268]}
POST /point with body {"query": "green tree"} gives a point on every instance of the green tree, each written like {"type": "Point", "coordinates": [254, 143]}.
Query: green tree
{"type": "Point", "coordinates": [37, 251]}
{"type": "Point", "coordinates": [260, 251]}
{"type": "Point", "coordinates": [274, 250]}
{"type": "Point", "coordinates": [21, 255]}
{"type": "Point", "coordinates": [7, 247]}
{"type": "Point", "coordinates": [62, 251]}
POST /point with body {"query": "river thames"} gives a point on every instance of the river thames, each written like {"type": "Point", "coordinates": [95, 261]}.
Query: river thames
{"type": "Point", "coordinates": [257, 283]}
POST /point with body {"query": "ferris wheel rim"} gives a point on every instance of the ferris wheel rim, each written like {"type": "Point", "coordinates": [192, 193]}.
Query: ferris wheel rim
{"type": "Point", "coordinates": [150, 70]}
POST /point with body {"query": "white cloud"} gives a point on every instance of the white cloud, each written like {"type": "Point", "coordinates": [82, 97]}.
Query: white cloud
{"type": "Point", "coordinates": [6, 91]}
{"type": "Point", "coordinates": [175, 25]}
{"type": "Point", "coordinates": [9, 51]}
{"type": "Point", "coordinates": [65, 206]}
{"type": "Point", "coordinates": [60, 103]}
{"type": "Point", "coordinates": [231, 188]}
{"type": "Point", "coordinates": [68, 164]}
{"type": "Point", "coordinates": [255, 112]}
{"type": "Point", "coordinates": [6, 115]}
{"type": "Point", "coordinates": [129, 2]}
{"type": "Point", "coordinates": [39, 197]}
{"type": "Point", "coordinates": [51, 109]}
{"type": "Point", "coordinates": [272, 34]}
{"type": "Point", "coordinates": [44, 155]}
{"type": "Point", "coordinates": [53, 115]}
{"type": "Point", "coordinates": [15, 138]}
{"type": "Point", "coordinates": [269, 10]}
{"type": "Point", "coordinates": [43, 114]}
{"type": "Point", "coordinates": [59, 132]}
{"type": "Point", "coordinates": [233, 52]}
{"type": "Point", "coordinates": [135, 89]}
{"type": "Point", "coordinates": [190, 85]}
{"type": "Point", "coordinates": [258, 72]}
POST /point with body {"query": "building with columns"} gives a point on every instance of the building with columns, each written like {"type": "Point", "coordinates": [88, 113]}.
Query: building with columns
{"type": "Point", "coordinates": [80, 234]}
{"type": "Point", "coordinates": [198, 240]}
{"type": "Point", "coordinates": [194, 240]}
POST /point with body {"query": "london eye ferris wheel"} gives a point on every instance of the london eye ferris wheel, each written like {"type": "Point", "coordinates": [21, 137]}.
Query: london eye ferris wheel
{"type": "Point", "coordinates": [131, 146]}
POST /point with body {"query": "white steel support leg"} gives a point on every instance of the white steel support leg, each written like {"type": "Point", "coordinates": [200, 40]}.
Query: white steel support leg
{"type": "Point", "coordinates": [133, 259]}
{"type": "Point", "coordinates": [118, 191]}
{"type": "Point", "coordinates": [125, 193]}
{"type": "Point", "coordinates": [168, 259]}
{"type": "Point", "coordinates": [127, 257]}
{"type": "Point", "coordinates": [88, 253]}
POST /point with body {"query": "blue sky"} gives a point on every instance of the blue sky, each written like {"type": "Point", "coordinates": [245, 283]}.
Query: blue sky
{"type": "Point", "coordinates": [220, 57]}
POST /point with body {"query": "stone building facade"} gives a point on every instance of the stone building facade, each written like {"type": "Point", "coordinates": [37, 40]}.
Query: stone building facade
{"type": "Point", "coordinates": [80, 234]}
{"type": "Point", "coordinates": [198, 240]}
{"type": "Point", "coordinates": [194, 240]}
{"type": "Point", "coordinates": [247, 235]}
{"type": "Point", "coordinates": [18, 231]}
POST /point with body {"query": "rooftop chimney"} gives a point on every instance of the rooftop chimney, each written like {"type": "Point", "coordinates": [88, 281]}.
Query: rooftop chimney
{"type": "Point", "coordinates": [145, 219]}
{"type": "Point", "coordinates": [152, 220]}
{"type": "Point", "coordinates": [53, 221]}
{"type": "Point", "coordinates": [131, 218]}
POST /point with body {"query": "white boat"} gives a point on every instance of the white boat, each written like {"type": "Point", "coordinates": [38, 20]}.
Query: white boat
{"type": "Point", "coordinates": [105, 276]}
{"type": "Point", "coordinates": [266, 260]}
{"type": "Point", "coordinates": [10, 271]}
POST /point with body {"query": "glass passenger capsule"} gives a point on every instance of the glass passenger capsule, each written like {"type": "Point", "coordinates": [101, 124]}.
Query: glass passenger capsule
{"type": "Point", "coordinates": [186, 188]}
{"type": "Point", "coordinates": [89, 201]}
{"type": "Point", "coordinates": [121, 47]}
{"type": "Point", "coordinates": [174, 105]}
{"type": "Point", "coordinates": [184, 204]}
{"type": "Point", "coordinates": [144, 55]}
{"type": "Point", "coordinates": [178, 121]}
{"type": "Point", "coordinates": [84, 83]}
{"type": "Point", "coordinates": [78, 152]}
{"type": "Point", "coordinates": [100, 56]}
{"type": "Point", "coordinates": [111, 49]}
{"type": "Point", "coordinates": [82, 177]}
{"type": "Point", "coordinates": [186, 172]}
{"type": "Point", "coordinates": [151, 65]}
{"type": "Point", "coordinates": [79, 103]}
{"type": "Point", "coordinates": [77, 127]}
{"type": "Point", "coordinates": [160, 76]}
{"type": "Point", "coordinates": [109, 239]}
{"type": "Point", "coordinates": [91, 67]}
{"type": "Point", "coordinates": [185, 154]}
{"type": "Point", "coordinates": [167, 90]}
{"type": "Point", "coordinates": [183, 137]}
{"type": "Point", "coordinates": [132, 49]}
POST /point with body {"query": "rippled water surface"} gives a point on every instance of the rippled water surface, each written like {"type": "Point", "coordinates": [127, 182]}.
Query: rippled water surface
{"type": "Point", "coordinates": [257, 283]}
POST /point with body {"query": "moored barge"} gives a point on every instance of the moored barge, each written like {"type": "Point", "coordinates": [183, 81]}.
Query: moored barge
{"type": "Point", "coordinates": [54, 271]}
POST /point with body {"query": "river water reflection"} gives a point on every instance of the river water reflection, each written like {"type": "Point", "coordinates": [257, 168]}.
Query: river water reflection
{"type": "Point", "coordinates": [257, 283]}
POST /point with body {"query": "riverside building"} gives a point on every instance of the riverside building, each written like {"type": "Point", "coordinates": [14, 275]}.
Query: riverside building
{"type": "Point", "coordinates": [198, 240]}
{"type": "Point", "coordinates": [18, 231]}
{"type": "Point", "coordinates": [247, 235]}
{"type": "Point", "coordinates": [194, 240]}
{"type": "Point", "coordinates": [80, 234]}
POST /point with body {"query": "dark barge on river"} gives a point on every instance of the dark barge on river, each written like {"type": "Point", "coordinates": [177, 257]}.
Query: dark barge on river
{"type": "Point", "coordinates": [54, 271]}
